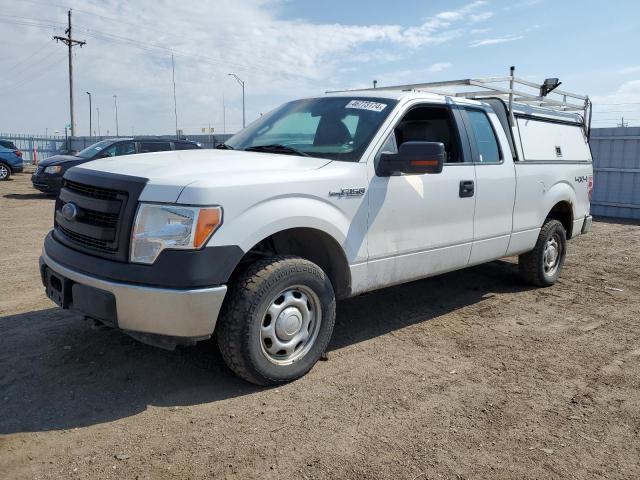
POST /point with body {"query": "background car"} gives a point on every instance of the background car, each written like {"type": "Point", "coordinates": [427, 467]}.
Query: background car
{"type": "Point", "coordinates": [48, 176]}
{"type": "Point", "coordinates": [10, 159]}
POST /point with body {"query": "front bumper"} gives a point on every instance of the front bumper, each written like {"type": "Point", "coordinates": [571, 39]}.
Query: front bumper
{"type": "Point", "coordinates": [186, 313]}
{"type": "Point", "coordinates": [47, 183]}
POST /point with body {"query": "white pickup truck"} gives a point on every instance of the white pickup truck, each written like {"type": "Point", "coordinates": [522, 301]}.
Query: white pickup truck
{"type": "Point", "coordinates": [320, 199]}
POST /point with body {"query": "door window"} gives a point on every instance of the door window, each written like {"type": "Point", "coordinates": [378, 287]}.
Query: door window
{"type": "Point", "coordinates": [485, 137]}
{"type": "Point", "coordinates": [185, 146]}
{"type": "Point", "coordinates": [121, 148]}
{"type": "Point", "coordinates": [426, 124]}
{"type": "Point", "coordinates": [146, 147]}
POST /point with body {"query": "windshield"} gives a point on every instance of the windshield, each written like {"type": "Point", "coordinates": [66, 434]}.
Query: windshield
{"type": "Point", "coordinates": [94, 149]}
{"type": "Point", "coordinates": [339, 128]}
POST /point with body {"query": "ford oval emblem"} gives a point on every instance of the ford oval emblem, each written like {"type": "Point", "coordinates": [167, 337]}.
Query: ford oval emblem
{"type": "Point", "coordinates": [69, 211]}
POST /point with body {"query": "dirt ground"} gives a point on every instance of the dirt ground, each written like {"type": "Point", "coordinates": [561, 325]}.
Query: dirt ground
{"type": "Point", "coordinates": [467, 375]}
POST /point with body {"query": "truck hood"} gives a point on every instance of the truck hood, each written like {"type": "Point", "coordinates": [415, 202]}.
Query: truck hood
{"type": "Point", "coordinates": [170, 172]}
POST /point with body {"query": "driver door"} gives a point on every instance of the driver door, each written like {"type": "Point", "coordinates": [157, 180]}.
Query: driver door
{"type": "Point", "coordinates": [422, 225]}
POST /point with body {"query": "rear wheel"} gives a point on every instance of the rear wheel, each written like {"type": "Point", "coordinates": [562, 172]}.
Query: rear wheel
{"type": "Point", "coordinates": [5, 171]}
{"type": "Point", "coordinates": [542, 265]}
{"type": "Point", "coordinates": [277, 320]}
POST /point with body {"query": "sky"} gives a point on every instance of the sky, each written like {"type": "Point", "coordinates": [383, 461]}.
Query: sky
{"type": "Point", "coordinates": [288, 49]}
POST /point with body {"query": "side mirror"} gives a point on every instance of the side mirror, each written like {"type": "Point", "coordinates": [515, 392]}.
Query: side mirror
{"type": "Point", "coordinates": [414, 158]}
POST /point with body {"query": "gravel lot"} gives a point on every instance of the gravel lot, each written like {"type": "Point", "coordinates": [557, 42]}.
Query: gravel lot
{"type": "Point", "coordinates": [467, 375]}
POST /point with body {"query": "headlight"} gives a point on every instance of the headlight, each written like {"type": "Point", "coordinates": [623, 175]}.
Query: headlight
{"type": "Point", "coordinates": [158, 227]}
{"type": "Point", "coordinates": [53, 169]}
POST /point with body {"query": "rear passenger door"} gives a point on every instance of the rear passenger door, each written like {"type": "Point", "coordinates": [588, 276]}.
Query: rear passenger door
{"type": "Point", "coordinates": [495, 185]}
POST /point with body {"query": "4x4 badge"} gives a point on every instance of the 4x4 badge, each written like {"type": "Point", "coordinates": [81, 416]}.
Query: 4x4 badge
{"type": "Point", "coordinates": [348, 192]}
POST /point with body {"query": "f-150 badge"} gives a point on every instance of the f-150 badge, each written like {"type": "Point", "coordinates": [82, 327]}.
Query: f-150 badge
{"type": "Point", "coordinates": [348, 192]}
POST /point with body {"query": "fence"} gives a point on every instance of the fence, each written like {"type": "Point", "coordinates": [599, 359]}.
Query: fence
{"type": "Point", "coordinates": [616, 165]}
{"type": "Point", "coordinates": [42, 146]}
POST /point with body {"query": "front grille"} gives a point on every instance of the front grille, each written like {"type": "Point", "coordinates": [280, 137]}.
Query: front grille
{"type": "Point", "coordinates": [94, 223]}
{"type": "Point", "coordinates": [86, 240]}
{"type": "Point", "coordinates": [100, 219]}
{"type": "Point", "coordinates": [109, 220]}
{"type": "Point", "coordinates": [91, 191]}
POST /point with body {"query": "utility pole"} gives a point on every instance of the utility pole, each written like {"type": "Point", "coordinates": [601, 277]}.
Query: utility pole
{"type": "Point", "coordinates": [224, 117]}
{"type": "Point", "coordinates": [175, 105]}
{"type": "Point", "coordinates": [623, 124]}
{"type": "Point", "coordinates": [115, 103]}
{"type": "Point", "coordinates": [242, 85]}
{"type": "Point", "coordinates": [70, 42]}
{"type": "Point", "coordinates": [89, 93]}
{"type": "Point", "coordinates": [98, 112]}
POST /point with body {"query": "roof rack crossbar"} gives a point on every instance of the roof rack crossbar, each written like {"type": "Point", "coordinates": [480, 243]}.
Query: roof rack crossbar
{"type": "Point", "coordinates": [509, 93]}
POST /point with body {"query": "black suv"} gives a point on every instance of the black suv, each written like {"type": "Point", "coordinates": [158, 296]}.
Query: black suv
{"type": "Point", "coordinates": [48, 175]}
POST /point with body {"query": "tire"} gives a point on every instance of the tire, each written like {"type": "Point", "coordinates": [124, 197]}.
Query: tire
{"type": "Point", "coordinates": [542, 265]}
{"type": "Point", "coordinates": [5, 171]}
{"type": "Point", "coordinates": [277, 320]}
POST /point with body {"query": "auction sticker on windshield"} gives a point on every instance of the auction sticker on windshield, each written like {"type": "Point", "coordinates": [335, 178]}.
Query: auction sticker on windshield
{"type": "Point", "coordinates": [366, 105]}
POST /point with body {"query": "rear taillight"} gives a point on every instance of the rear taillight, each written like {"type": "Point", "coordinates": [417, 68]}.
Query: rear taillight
{"type": "Point", "coordinates": [19, 153]}
{"type": "Point", "coordinates": [590, 186]}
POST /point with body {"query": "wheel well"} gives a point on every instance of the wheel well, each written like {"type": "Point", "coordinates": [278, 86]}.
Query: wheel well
{"type": "Point", "coordinates": [7, 165]}
{"type": "Point", "coordinates": [563, 212]}
{"type": "Point", "coordinates": [311, 244]}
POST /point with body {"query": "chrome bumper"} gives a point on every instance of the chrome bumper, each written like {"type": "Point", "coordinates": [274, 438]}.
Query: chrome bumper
{"type": "Point", "coordinates": [171, 312]}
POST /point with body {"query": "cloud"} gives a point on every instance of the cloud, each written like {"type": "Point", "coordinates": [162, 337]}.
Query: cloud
{"type": "Point", "coordinates": [480, 17]}
{"type": "Point", "coordinates": [130, 56]}
{"type": "Point", "coordinates": [411, 75]}
{"type": "Point", "coordinates": [495, 41]}
{"type": "Point", "coordinates": [624, 101]}
{"type": "Point", "coordinates": [628, 70]}
{"type": "Point", "coordinates": [439, 67]}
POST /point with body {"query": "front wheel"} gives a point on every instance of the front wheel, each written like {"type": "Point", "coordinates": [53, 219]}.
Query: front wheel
{"type": "Point", "coordinates": [5, 172]}
{"type": "Point", "coordinates": [277, 320]}
{"type": "Point", "coordinates": [542, 265]}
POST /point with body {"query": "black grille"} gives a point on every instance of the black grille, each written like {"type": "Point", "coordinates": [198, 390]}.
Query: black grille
{"type": "Point", "coordinates": [86, 240]}
{"type": "Point", "coordinates": [104, 205]}
{"type": "Point", "coordinates": [109, 220]}
{"type": "Point", "coordinates": [91, 191]}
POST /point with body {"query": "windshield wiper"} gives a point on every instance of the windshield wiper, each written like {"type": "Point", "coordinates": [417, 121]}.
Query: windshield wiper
{"type": "Point", "coordinates": [224, 146]}
{"type": "Point", "coordinates": [277, 148]}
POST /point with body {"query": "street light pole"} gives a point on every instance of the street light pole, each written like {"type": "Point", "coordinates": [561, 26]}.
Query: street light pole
{"type": "Point", "coordinates": [98, 112]}
{"type": "Point", "coordinates": [89, 93]}
{"type": "Point", "coordinates": [242, 85]}
{"type": "Point", "coordinates": [115, 103]}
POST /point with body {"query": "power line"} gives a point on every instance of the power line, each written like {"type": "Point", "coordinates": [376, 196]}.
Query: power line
{"type": "Point", "coordinates": [26, 59]}
{"type": "Point", "coordinates": [21, 67]}
{"type": "Point", "coordinates": [627, 103]}
{"type": "Point", "coordinates": [44, 69]}
{"type": "Point", "coordinates": [146, 46]}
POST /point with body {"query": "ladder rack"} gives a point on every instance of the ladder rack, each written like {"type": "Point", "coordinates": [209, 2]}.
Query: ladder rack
{"type": "Point", "coordinates": [494, 87]}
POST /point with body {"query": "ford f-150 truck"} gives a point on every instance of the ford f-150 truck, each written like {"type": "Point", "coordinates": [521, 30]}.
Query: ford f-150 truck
{"type": "Point", "coordinates": [321, 199]}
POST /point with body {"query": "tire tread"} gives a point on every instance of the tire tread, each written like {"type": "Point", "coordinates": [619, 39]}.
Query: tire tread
{"type": "Point", "coordinates": [233, 329]}
{"type": "Point", "coordinates": [529, 263]}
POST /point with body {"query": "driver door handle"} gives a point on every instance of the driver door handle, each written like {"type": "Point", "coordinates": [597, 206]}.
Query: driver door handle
{"type": "Point", "coordinates": [466, 188]}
